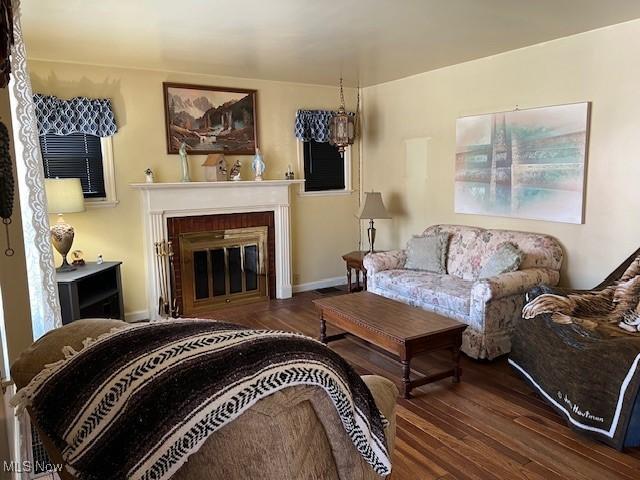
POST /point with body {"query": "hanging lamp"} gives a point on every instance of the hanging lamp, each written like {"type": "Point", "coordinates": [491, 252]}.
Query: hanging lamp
{"type": "Point", "coordinates": [342, 126]}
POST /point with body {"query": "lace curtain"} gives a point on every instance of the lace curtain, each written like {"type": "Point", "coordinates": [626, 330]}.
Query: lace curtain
{"type": "Point", "coordinates": [43, 292]}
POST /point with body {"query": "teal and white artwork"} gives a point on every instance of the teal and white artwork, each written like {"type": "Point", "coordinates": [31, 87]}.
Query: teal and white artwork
{"type": "Point", "coordinates": [524, 163]}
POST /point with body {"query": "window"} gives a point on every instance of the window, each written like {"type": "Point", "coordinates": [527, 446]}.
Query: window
{"type": "Point", "coordinates": [82, 156]}
{"type": "Point", "coordinates": [325, 170]}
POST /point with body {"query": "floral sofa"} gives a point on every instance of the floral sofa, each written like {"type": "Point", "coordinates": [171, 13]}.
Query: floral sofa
{"type": "Point", "coordinates": [489, 306]}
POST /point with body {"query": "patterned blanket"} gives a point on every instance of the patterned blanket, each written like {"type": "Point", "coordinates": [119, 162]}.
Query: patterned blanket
{"type": "Point", "coordinates": [136, 402]}
{"type": "Point", "coordinates": [589, 379]}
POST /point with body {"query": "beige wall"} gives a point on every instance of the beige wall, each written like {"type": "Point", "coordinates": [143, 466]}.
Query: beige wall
{"type": "Point", "coordinates": [323, 227]}
{"type": "Point", "coordinates": [13, 270]}
{"type": "Point", "coordinates": [14, 304]}
{"type": "Point", "coordinates": [600, 66]}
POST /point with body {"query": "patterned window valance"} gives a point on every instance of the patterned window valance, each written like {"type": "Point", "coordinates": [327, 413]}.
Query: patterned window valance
{"type": "Point", "coordinates": [77, 115]}
{"type": "Point", "coordinates": [313, 125]}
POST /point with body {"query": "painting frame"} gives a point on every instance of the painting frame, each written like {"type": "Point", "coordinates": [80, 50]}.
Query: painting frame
{"type": "Point", "coordinates": [172, 147]}
{"type": "Point", "coordinates": [527, 163]}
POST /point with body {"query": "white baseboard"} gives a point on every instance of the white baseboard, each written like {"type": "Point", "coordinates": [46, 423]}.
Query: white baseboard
{"type": "Point", "coordinates": [136, 316]}
{"type": "Point", "coordinates": [327, 282]}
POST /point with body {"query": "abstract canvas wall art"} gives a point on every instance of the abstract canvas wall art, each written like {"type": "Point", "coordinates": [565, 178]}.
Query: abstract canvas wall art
{"type": "Point", "coordinates": [524, 163]}
{"type": "Point", "coordinates": [210, 119]}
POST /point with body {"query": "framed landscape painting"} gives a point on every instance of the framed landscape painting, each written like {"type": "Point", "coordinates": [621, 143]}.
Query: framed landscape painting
{"type": "Point", "coordinates": [524, 163]}
{"type": "Point", "coordinates": [210, 119]}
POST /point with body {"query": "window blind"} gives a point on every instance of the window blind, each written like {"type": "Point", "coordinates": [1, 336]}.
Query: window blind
{"type": "Point", "coordinates": [323, 167]}
{"type": "Point", "coordinates": [78, 155]}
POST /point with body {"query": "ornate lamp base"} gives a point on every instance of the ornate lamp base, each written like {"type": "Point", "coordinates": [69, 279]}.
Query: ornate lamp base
{"type": "Point", "coordinates": [371, 231]}
{"type": "Point", "coordinates": [62, 238]}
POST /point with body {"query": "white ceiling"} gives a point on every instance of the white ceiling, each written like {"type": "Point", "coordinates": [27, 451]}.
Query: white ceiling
{"type": "Point", "coordinates": [309, 41]}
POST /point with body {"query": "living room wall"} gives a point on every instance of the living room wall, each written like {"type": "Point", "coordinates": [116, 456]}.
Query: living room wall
{"type": "Point", "coordinates": [116, 233]}
{"type": "Point", "coordinates": [409, 141]}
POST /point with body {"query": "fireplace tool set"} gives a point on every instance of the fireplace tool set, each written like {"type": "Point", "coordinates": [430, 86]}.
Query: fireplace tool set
{"type": "Point", "coordinates": [167, 305]}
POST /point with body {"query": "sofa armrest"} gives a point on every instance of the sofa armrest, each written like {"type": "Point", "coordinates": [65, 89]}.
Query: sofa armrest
{"type": "Point", "coordinates": [513, 283]}
{"type": "Point", "coordinates": [377, 262]}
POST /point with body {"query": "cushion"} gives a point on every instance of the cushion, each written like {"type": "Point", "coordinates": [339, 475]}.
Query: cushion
{"type": "Point", "coordinates": [506, 258]}
{"type": "Point", "coordinates": [442, 292]}
{"type": "Point", "coordinates": [428, 253]}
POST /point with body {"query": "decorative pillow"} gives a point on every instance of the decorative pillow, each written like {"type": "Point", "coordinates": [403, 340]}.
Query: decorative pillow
{"type": "Point", "coordinates": [428, 253]}
{"type": "Point", "coordinates": [506, 258]}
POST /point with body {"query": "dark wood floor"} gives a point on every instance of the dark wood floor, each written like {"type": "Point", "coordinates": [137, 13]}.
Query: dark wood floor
{"type": "Point", "coordinates": [490, 426]}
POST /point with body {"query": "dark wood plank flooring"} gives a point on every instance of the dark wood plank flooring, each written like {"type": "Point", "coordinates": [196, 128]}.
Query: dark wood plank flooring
{"type": "Point", "coordinates": [490, 426]}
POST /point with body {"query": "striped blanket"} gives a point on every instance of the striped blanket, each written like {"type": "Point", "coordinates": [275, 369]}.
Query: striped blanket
{"type": "Point", "coordinates": [136, 402]}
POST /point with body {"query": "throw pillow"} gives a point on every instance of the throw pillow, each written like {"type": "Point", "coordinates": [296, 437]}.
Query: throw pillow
{"type": "Point", "coordinates": [506, 258]}
{"type": "Point", "coordinates": [428, 253]}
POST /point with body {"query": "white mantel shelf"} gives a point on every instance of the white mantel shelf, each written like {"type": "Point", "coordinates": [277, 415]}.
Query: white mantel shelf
{"type": "Point", "coordinates": [227, 184]}
{"type": "Point", "coordinates": [161, 201]}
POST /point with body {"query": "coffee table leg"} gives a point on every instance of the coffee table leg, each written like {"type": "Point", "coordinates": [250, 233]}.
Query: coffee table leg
{"type": "Point", "coordinates": [406, 381]}
{"type": "Point", "coordinates": [323, 329]}
{"type": "Point", "coordinates": [456, 364]}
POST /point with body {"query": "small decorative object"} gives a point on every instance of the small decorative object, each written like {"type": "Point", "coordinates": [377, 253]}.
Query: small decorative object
{"type": "Point", "coordinates": [184, 163]}
{"type": "Point", "coordinates": [235, 171]}
{"type": "Point", "coordinates": [210, 119]}
{"type": "Point", "coordinates": [64, 195]}
{"type": "Point", "coordinates": [6, 184]}
{"type": "Point", "coordinates": [342, 126]}
{"type": "Point", "coordinates": [289, 173]}
{"type": "Point", "coordinates": [215, 168]}
{"type": "Point", "coordinates": [523, 163]}
{"type": "Point", "coordinates": [258, 166]}
{"type": "Point", "coordinates": [100, 260]}
{"type": "Point", "coordinates": [167, 306]}
{"type": "Point", "coordinates": [77, 258]}
{"type": "Point", "coordinates": [148, 176]}
{"type": "Point", "coordinates": [373, 207]}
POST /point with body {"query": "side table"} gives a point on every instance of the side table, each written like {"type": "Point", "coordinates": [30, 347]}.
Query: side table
{"type": "Point", "coordinates": [91, 291]}
{"type": "Point", "coordinates": [354, 261]}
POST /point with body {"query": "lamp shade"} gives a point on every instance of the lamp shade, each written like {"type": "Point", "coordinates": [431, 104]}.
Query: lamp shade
{"type": "Point", "coordinates": [64, 195]}
{"type": "Point", "coordinates": [373, 206]}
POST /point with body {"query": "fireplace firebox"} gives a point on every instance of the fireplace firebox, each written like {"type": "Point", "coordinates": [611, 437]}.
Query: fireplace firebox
{"type": "Point", "coordinates": [222, 267]}
{"type": "Point", "coordinates": [221, 260]}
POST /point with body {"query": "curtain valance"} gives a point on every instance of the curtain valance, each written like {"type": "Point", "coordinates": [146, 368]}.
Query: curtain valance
{"type": "Point", "coordinates": [313, 125]}
{"type": "Point", "coordinates": [93, 116]}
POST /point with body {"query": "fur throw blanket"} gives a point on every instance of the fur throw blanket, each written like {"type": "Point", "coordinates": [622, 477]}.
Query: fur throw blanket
{"type": "Point", "coordinates": [136, 402]}
{"type": "Point", "coordinates": [616, 304]}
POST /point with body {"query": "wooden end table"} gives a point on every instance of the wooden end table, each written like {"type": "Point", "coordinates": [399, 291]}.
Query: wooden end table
{"type": "Point", "coordinates": [395, 327]}
{"type": "Point", "coordinates": [354, 261]}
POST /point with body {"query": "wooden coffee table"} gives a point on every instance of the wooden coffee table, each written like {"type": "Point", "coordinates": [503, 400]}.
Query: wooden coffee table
{"type": "Point", "coordinates": [395, 327]}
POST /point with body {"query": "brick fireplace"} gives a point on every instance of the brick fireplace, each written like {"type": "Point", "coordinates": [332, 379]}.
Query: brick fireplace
{"type": "Point", "coordinates": [220, 208]}
{"type": "Point", "coordinates": [222, 259]}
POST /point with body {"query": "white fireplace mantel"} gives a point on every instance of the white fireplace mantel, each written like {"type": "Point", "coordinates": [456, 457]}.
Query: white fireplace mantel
{"type": "Point", "coordinates": [161, 201]}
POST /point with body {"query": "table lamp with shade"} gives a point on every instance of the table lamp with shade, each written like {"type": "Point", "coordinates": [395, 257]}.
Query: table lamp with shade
{"type": "Point", "coordinates": [372, 208]}
{"type": "Point", "coordinates": [64, 195]}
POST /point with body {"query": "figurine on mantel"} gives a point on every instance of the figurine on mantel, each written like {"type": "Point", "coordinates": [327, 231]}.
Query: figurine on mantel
{"type": "Point", "coordinates": [184, 163]}
{"type": "Point", "coordinates": [215, 168]}
{"type": "Point", "coordinates": [258, 166]}
{"type": "Point", "coordinates": [148, 175]}
{"type": "Point", "coordinates": [289, 173]}
{"type": "Point", "coordinates": [235, 171]}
